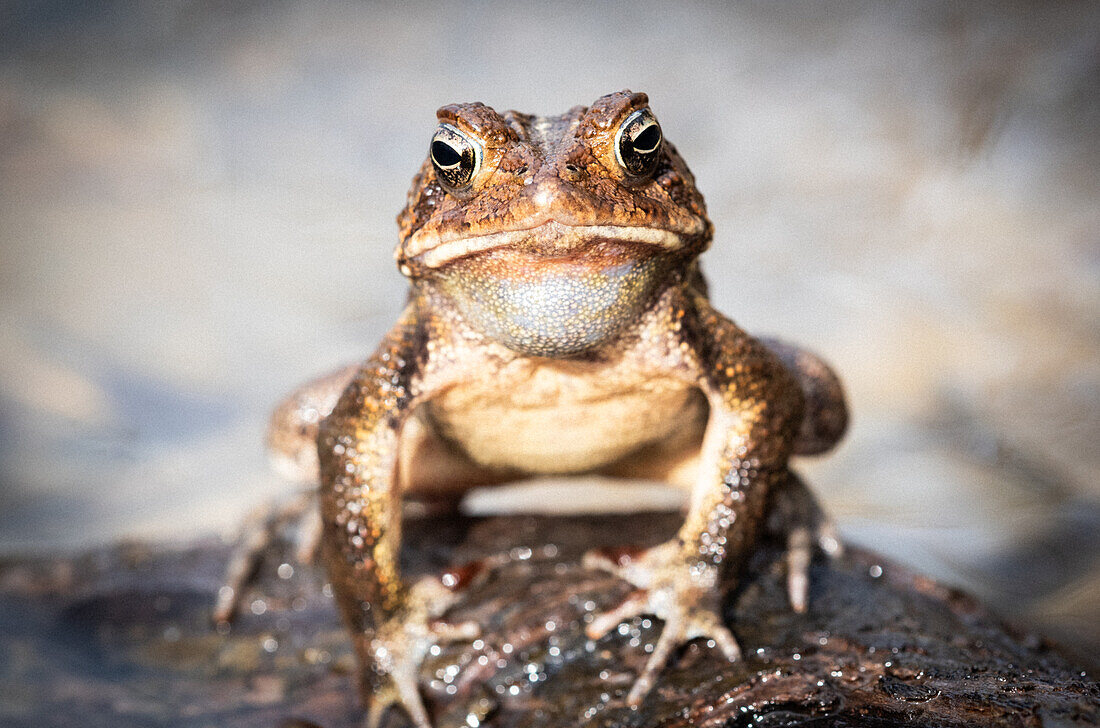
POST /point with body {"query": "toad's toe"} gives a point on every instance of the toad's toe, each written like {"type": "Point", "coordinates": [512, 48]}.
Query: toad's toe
{"type": "Point", "coordinates": [401, 644]}
{"type": "Point", "coordinates": [685, 598]}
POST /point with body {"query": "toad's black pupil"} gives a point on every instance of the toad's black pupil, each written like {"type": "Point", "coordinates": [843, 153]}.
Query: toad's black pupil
{"type": "Point", "coordinates": [445, 155]}
{"type": "Point", "coordinates": [648, 140]}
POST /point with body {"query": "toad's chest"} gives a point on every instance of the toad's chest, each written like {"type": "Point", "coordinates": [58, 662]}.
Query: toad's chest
{"type": "Point", "coordinates": [557, 420]}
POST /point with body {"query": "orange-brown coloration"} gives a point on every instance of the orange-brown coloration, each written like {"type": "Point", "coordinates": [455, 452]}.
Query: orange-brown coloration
{"type": "Point", "coordinates": [558, 323]}
{"type": "Point", "coordinates": [541, 169]}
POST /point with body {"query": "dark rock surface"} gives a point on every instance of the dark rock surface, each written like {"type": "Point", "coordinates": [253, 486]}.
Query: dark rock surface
{"type": "Point", "coordinates": [121, 637]}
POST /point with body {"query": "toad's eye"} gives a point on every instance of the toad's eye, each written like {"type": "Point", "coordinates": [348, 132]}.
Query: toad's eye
{"type": "Point", "coordinates": [638, 143]}
{"type": "Point", "coordinates": [455, 156]}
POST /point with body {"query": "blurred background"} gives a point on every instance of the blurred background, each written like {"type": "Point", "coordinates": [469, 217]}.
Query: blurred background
{"type": "Point", "coordinates": [196, 214]}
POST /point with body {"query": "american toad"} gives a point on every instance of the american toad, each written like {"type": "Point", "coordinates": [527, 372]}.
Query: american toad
{"type": "Point", "coordinates": [557, 322]}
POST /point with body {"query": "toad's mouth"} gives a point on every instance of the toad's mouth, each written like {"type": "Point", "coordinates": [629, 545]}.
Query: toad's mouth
{"type": "Point", "coordinates": [434, 251]}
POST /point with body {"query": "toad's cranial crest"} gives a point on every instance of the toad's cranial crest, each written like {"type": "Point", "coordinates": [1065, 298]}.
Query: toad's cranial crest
{"type": "Point", "coordinates": [557, 323]}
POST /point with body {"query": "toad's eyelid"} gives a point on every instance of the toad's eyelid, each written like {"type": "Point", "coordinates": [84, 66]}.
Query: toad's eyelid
{"type": "Point", "coordinates": [452, 130]}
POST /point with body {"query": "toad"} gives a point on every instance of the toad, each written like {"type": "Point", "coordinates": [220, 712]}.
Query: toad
{"type": "Point", "coordinates": [557, 323]}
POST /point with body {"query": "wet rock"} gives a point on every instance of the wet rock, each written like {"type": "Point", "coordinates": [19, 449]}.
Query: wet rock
{"type": "Point", "coordinates": [106, 638]}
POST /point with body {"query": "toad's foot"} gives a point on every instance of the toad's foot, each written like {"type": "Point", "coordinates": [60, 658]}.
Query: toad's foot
{"type": "Point", "coordinates": [400, 645]}
{"type": "Point", "coordinates": [686, 599]}
{"type": "Point", "coordinates": [297, 520]}
{"type": "Point", "coordinates": [797, 517]}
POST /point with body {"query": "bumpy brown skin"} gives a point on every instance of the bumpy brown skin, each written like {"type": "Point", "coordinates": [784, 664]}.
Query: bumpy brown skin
{"type": "Point", "coordinates": [558, 323]}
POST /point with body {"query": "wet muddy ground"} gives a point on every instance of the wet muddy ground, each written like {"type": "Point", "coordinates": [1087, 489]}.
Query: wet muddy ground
{"type": "Point", "coordinates": [123, 637]}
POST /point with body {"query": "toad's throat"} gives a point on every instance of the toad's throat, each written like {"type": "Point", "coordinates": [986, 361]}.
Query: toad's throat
{"type": "Point", "coordinates": [433, 251]}
{"type": "Point", "coordinates": [556, 306]}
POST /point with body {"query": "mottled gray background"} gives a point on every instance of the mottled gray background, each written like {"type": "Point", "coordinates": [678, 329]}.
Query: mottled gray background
{"type": "Point", "coordinates": [196, 213]}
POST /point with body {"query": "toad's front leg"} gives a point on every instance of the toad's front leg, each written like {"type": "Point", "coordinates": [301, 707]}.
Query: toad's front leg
{"type": "Point", "coordinates": [393, 624]}
{"type": "Point", "coordinates": [756, 408]}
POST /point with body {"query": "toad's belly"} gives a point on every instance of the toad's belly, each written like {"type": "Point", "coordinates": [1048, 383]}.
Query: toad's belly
{"type": "Point", "coordinates": [551, 427]}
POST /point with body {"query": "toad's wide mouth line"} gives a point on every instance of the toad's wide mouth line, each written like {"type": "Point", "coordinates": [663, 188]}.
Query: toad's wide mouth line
{"type": "Point", "coordinates": [430, 252]}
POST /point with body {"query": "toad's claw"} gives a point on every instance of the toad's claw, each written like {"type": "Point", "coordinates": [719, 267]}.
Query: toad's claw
{"type": "Point", "coordinates": [686, 600]}
{"type": "Point", "coordinates": [401, 644]}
